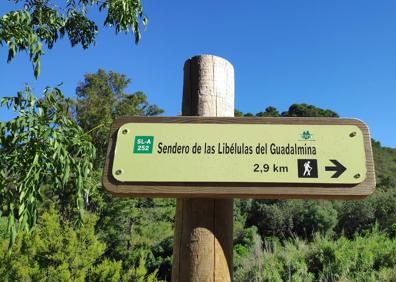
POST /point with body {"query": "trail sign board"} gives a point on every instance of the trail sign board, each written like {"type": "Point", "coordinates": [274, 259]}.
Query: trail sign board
{"type": "Point", "coordinates": [240, 157]}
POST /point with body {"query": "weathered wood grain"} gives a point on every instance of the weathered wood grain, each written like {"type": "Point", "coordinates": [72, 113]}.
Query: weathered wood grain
{"type": "Point", "coordinates": [204, 227]}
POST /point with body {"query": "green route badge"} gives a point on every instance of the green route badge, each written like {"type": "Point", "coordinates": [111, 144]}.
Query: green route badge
{"type": "Point", "coordinates": [143, 145]}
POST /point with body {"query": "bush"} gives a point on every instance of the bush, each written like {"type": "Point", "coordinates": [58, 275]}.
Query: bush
{"type": "Point", "coordinates": [55, 251]}
{"type": "Point", "coordinates": [369, 257]}
{"type": "Point", "coordinates": [287, 219]}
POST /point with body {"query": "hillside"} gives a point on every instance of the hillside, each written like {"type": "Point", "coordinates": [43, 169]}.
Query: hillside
{"type": "Point", "coordinates": [385, 165]}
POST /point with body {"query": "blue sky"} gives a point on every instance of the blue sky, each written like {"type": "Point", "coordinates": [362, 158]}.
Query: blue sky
{"type": "Point", "coordinates": [338, 54]}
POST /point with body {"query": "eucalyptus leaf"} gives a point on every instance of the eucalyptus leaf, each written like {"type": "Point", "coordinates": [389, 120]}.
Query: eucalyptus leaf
{"type": "Point", "coordinates": [45, 22]}
{"type": "Point", "coordinates": [36, 148]}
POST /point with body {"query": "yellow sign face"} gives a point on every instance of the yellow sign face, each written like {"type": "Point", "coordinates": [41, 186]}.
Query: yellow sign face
{"type": "Point", "coordinates": [239, 153]}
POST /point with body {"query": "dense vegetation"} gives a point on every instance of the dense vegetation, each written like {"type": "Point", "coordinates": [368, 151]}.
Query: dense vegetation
{"type": "Point", "coordinates": [131, 239]}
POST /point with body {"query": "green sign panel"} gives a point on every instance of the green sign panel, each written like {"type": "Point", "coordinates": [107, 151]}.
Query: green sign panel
{"type": "Point", "coordinates": [143, 144]}
{"type": "Point", "coordinates": [239, 153]}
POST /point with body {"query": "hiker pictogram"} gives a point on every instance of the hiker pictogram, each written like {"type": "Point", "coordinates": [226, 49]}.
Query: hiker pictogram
{"type": "Point", "coordinates": [307, 168]}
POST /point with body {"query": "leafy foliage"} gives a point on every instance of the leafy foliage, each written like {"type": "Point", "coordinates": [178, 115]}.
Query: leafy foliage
{"type": "Point", "coordinates": [40, 147]}
{"type": "Point", "coordinates": [47, 176]}
{"type": "Point", "coordinates": [295, 110]}
{"type": "Point", "coordinates": [342, 238]}
{"type": "Point", "coordinates": [17, 34]}
{"type": "Point", "coordinates": [248, 255]}
{"type": "Point", "coordinates": [385, 166]}
{"type": "Point", "coordinates": [125, 225]}
{"type": "Point", "coordinates": [273, 241]}
{"type": "Point", "coordinates": [269, 112]}
{"type": "Point", "coordinates": [45, 21]}
{"type": "Point", "coordinates": [360, 216]}
{"type": "Point", "coordinates": [55, 251]}
{"type": "Point", "coordinates": [304, 110]}
{"type": "Point", "coordinates": [369, 257]}
{"type": "Point", "coordinates": [286, 219]}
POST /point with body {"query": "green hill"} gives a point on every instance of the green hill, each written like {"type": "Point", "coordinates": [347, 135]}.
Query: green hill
{"type": "Point", "coordinates": [385, 165]}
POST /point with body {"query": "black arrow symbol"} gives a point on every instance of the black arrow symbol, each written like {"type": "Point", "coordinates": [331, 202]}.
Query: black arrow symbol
{"type": "Point", "coordinates": [338, 168]}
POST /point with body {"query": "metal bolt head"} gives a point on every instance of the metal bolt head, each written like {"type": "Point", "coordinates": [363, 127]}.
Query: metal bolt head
{"type": "Point", "coordinates": [352, 134]}
{"type": "Point", "coordinates": [125, 131]}
{"type": "Point", "coordinates": [118, 172]}
{"type": "Point", "coordinates": [357, 175]}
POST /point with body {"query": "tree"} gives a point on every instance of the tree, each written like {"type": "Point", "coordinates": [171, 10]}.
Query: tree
{"type": "Point", "coordinates": [312, 217]}
{"type": "Point", "coordinates": [269, 112]}
{"type": "Point", "coordinates": [101, 98]}
{"type": "Point", "coordinates": [304, 110]}
{"type": "Point", "coordinates": [57, 252]}
{"type": "Point", "coordinates": [43, 22]}
{"type": "Point", "coordinates": [42, 147]}
{"type": "Point", "coordinates": [238, 113]}
{"type": "Point", "coordinates": [295, 110]}
{"type": "Point", "coordinates": [124, 224]}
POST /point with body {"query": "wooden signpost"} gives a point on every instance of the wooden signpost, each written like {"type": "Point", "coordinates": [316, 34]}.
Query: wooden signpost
{"type": "Point", "coordinates": [207, 161]}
